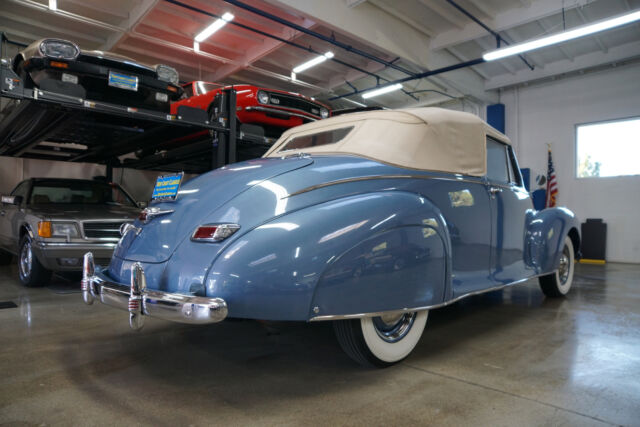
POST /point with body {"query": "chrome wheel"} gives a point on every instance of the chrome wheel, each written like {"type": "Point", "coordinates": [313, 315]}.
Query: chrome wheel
{"type": "Point", "coordinates": [564, 267]}
{"type": "Point", "coordinates": [394, 327]}
{"type": "Point", "coordinates": [26, 260]}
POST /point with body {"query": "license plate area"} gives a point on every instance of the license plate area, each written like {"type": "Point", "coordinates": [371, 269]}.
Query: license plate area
{"type": "Point", "coordinates": [166, 187]}
{"type": "Point", "coordinates": [123, 81]}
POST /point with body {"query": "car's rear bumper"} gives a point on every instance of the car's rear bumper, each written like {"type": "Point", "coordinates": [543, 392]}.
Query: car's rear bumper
{"type": "Point", "coordinates": [139, 301]}
{"type": "Point", "coordinates": [60, 256]}
{"type": "Point", "coordinates": [94, 79]}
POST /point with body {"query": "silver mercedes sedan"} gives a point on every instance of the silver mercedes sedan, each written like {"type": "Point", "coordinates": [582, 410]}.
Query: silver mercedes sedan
{"type": "Point", "coordinates": [51, 223]}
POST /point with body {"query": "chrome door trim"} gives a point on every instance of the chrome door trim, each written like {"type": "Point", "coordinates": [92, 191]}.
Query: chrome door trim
{"type": "Point", "coordinates": [423, 308]}
{"type": "Point", "coordinates": [478, 180]}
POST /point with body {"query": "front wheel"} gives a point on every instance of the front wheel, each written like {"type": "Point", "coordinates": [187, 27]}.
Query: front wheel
{"type": "Point", "coordinates": [381, 341]}
{"type": "Point", "coordinates": [31, 272]}
{"type": "Point", "coordinates": [559, 283]}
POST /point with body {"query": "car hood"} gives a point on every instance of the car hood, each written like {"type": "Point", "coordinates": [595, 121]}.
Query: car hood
{"type": "Point", "coordinates": [197, 199]}
{"type": "Point", "coordinates": [83, 212]}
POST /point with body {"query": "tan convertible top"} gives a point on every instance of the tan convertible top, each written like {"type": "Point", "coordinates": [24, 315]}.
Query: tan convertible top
{"type": "Point", "coordinates": [418, 138]}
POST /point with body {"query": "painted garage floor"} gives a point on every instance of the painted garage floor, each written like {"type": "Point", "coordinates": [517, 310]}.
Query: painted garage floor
{"type": "Point", "coordinates": [510, 357]}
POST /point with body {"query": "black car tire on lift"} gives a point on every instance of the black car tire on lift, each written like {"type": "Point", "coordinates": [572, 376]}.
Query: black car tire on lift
{"type": "Point", "coordinates": [24, 76]}
{"type": "Point", "coordinates": [31, 272]}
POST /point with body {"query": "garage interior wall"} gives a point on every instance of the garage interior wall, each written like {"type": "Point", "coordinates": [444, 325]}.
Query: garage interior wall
{"type": "Point", "coordinates": [13, 170]}
{"type": "Point", "coordinates": [548, 113]}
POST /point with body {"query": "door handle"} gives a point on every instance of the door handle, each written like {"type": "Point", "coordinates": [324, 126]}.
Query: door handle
{"type": "Point", "coordinates": [495, 190]}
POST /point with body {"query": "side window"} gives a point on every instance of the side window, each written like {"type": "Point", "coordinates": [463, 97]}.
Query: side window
{"type": "Point", "coordinates": [497, 166]}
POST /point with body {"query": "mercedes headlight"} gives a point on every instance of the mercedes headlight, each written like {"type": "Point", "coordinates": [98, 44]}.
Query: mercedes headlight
{"type": "Point", "coordinates": [167, 74]}
{"type": "Point", "coordinates": [263, 97]}
{"type": "Point", "coordinates": [64, 229]}
{"type": "Point", "coordinates": [59, 49]}
{"type": "Point", "coordinates": [324, 113]}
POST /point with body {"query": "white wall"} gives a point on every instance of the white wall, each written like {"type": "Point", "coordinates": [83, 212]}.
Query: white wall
{"type": "Point", "coordinates": [547, 113]}
{"type": "Point", "coordinates": [13, 170]}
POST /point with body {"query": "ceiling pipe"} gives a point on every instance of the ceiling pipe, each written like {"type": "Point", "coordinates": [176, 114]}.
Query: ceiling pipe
{"type": "Point", "coordinates": [495, 34]}
{"type": "Point", "coordinates": [285, 41]}
{"type": "Point", "coordinates": [416, 77]}
{"type": "Point", "coordinates": [317, 35]}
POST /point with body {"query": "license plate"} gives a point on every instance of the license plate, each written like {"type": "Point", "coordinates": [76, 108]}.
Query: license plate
{"type": "Point", "coordinates": [167, 187]}
{"type": "Point", "coordinates": [123, 81]}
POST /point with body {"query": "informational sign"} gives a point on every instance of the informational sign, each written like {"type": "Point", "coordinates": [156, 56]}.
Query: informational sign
{"type": "Point", "coordinates": [167, 187]}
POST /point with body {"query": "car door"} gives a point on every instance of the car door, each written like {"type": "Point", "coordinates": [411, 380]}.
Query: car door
{"type": "Point", "coordinates": [509, 204]}
{"type": "Point", "coordinates": [9, 215]}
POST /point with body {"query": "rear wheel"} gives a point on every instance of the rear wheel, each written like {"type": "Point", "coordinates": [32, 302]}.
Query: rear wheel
{"type": "Point", "coordinates": [381, 341]}
{"type": "Point", "coordinates": [558, 284]}
{"type": "Point", "coordinates": [31, 272]}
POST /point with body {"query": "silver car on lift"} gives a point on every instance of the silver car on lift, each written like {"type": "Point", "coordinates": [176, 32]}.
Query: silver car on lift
{"type": "Point", "coordinates": [51, 223]}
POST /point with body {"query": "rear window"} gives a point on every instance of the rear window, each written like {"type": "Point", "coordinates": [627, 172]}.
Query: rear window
{"type": "Point", "coordinates": [317, 139]}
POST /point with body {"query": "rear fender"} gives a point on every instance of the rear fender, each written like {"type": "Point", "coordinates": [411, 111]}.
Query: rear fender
{"type": "Point", "coordinates": [303, 264]}
{"type": "Point", "coordinates": [545, 235]}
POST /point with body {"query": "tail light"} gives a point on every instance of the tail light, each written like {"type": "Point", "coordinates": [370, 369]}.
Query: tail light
{"type": "Point", "coordinates": [214, 232]}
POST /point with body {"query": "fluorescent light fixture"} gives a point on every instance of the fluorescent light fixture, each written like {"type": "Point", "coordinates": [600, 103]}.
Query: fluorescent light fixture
{"type": "Point", "coordinates": [359, 104]}
{"type": "Point", "coordinates": [293, 76]}
{"type": "Point", "coordinates": [53, 4]}
{"type": "Point", "coordinates": [312, 63]}
{"type": "Point", "coordinates": [215, 26]}
{"type": "Point", "coordinates": [382, 90]}
{"type": "Point", "coordinates": [564, 36]}
{"type": "Point", "coordinates": [196, 46]}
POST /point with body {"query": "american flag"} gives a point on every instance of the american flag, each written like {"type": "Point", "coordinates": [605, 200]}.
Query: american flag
{"type": "Point", "coordinates": [552, 185]}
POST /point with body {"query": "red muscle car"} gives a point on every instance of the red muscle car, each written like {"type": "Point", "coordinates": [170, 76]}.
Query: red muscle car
{"type": "Point", "coordinates": [274, 110]}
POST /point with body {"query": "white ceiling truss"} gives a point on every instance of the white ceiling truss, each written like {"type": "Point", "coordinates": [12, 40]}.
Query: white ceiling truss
{"type": "Point", "coordinates": [412, 35]}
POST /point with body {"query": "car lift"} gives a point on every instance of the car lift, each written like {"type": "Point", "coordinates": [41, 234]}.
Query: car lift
{"type": "Point", "coordinates": [54, 123]}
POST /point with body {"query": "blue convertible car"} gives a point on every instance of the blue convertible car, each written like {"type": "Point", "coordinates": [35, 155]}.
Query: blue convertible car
{"type": "Point", "coordinates": [368, 220]}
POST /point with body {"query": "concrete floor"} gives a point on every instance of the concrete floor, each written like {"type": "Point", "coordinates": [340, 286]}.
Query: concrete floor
{"type": "Point", "coordinates": [510, 357]}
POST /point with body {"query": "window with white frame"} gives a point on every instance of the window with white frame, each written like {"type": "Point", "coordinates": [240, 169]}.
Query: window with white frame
{"type": "Point", "coordinates": [608, 148]}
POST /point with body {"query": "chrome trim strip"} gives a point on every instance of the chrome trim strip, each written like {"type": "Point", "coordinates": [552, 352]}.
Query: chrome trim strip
{"type": "Point", "coordinates": [278, 111]}
{"type": "Point", "coordinates": [374, 177]}
{"type": "Point", "coordinates": [428, 307]}
{"type": "Point", "coordinates": [76, 245]}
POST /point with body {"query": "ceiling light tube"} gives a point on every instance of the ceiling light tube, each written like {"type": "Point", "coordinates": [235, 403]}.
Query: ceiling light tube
{"type": "Point", "coordinates": [564, 36]}
{"type": "Point", "coordinates": [382, 90]}
{"type": "Point", "coordinates": [359, 104]}
{"type": "Point", "coordinates": [312, 63]}
{"type": "Point", "coordinates": [53, 4]}
{"type": "Point", "coordinates": [215, 26]}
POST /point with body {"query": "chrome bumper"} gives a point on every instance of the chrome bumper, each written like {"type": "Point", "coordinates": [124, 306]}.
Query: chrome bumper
{"type": "Point", "coordinates": [140, 302]}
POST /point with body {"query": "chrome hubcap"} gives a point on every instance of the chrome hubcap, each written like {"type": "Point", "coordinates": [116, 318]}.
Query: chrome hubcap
{"type": "Point", "coordinates": [394, 327]}
{"type": "Point", "coordinates": [26, 258]}
{"type": "Point", "coordinates": [564, 267]}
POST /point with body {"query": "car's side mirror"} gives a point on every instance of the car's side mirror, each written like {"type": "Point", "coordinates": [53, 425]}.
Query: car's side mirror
{"type": "Point", "coordinates": [142, 205]}
{"type": "Point", "coordinates": [12, 200]}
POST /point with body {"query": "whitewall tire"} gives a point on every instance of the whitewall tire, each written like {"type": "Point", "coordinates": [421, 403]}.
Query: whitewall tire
{"type": "Point", "coordinates": [558, 284]}
{"type": "Point", "coordinates": [381, 341]}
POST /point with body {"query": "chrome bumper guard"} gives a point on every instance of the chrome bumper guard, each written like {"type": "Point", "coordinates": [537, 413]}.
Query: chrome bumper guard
{"type": "Point", "coordinates": [140, 302]}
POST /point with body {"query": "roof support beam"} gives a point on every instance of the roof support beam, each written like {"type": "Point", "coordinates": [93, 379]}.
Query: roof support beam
{"type": "Point", "coordinates": [595, 36]}
{"type": "Point", "coordinates": [503, 21]}
{"type": "Point", "coordinates": [136, 15]}
{"type": "Point", "coordinates": [260, 50]}
{"type": "Point", "coordinates": [620, 53]}
{"type": "Point", "coordinates": [375, 27]}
